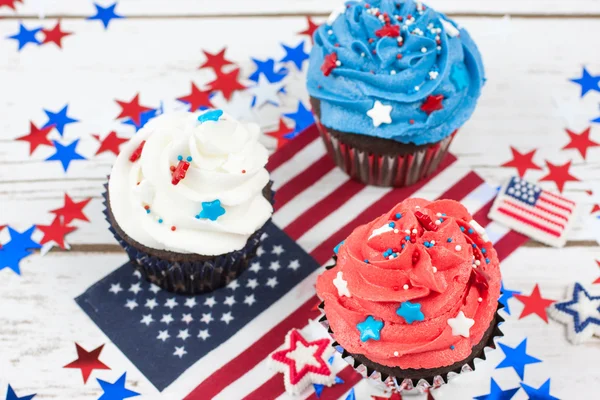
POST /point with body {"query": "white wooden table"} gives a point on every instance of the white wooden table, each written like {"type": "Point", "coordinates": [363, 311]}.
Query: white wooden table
{"type": "Point", "coordinates": [156, 51]}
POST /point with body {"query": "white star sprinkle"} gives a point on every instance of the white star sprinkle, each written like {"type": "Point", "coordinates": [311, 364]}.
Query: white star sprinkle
{"type": "Point", "coordinates": [151, 303]}
{"type": "Point", "coordinates": [167, 319]}
{"type": "Point", "coordinates": [180, 351]}
{"type": "Point", "coordinates": [227, 317]}
{"type": "Point", "coordinates": [229, 301]}
{"type": "Point", "coordinates": [191, 302]}
{"type": "Point", "coordinates": [272, 282]}
{"type": "Point", "coordinates": [210, 301]}
{"type": "Point", "coordinates": [294, 265]}
{"type": "Point", "coordinates": [131, 304]}
{"type": "Point", "coordinates": [183, 334]}
{"type": "Point", "coordinates": [187, 318]}
{"type": "Point", "coordinates": [206, 318]}
{"type": "Point", "coordinates": [203, 334]}
{"type": "Point", "coordinates": [252, 283]}
{"type": "Point", "coordinates": [115, 288]}
{"type": "Point", "coordinates": [147, 319]}
{"type": "Point", "coordinates": [341, 285]}
{"type": "Point", "coordinates": [275, 266]}
{"type": "Point", "coordinates": [461, 325]}
{"type": "Point", "coordinates": [250, 300]}
{"type": "Point", "coordinates": [233, 285]}
{"type": "Point", "coordinates": [163, 335]}
{"type": "Point", "coordinates": [380, 114]}
{"type": "Point", "coordinates": [255, 267]}
{"type": "Point", "coordinates": [278, 250]}
{"type": "Point", "coordinates": [171, 303]}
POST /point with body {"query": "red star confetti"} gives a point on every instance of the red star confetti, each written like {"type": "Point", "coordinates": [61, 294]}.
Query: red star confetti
{"type": "Point", "coordinates": [55, 35]}
{"type": "Point", "coordinates": [581, 142]}
{"type": "Point", "coordinates": [522, 162]}
{"type": "Point", "coordinates": [303, 362]}
{"type": "Point", "coordinates": [433, 103]}
{"type": "Point", "coordinates": [595, 209]}
{"type": "Point", "coordinates": [197, 98]}
{"type": "Point", "coordinates": [72, 210]}
{"type": "Point", "coordinates": [280, 133]}
{"type": "Point", "coordinates": [388, 31]}
{"type": "Point", "coordinates": [87, 361]}
{"type": "Point", "coordinates": [227, 83]}
{"type": "Point", "coordinates": [560, 175]}
{"type": "Point", "coordinates": [534, 304]}
{"type": "Point", "coordinates": [597, 281]}
{"type": "Point", "coordinates": [37, 137]}
{"type": "Point", "coordinates": [111, 143]}
{"type": "Point", "coordinates": [216, 61]}
{"type": "Point", "coordinates": [55, 232]}
{"type": "Point", "coordinates": [132, 109]}
{"type": "Point", "coordinates": [329, 63]}
{"type": "Point", "coordinates": [8, 3]}
{"type": "Point", "coordinates": [310, 31]}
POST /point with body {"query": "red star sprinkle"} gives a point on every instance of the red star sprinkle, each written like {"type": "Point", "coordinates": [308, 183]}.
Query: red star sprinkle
{"type": "Point", "coordinates": [595, 209]}
{"type": "Point", "coordinates": [216, 61]}
{"type": "Point", "coordinates": [280, 133]}
{"type": "Point", "coordinates": [310, 31]}
{"type": "Point", "coordinates": [329, 64]}
{"type": "Point", "coordinates": [580, 141]}
{"type": "Point", "coordinates": [534, 304]}
{"type": "Point", "coordinates": [522, 162]}
{"type": "Point", "coordinates": [37, 137]}
{"type": "Point", "coordinates": [55, 35]}
{"type": "Point", "coordinates": [560, 175]}
{"type": "Point", "coordinates": [197, 98]}
{"type": "Point", "coordinates": [132, 109]}
{"type": "Point", "coordinates": [55, 232]}
{"type": "Point", "coordinates": [71, 210]}
{"type": "Point", "coordinates": [111, 143]}
{"type": "Point", "coordinates": [87, 361]}
{"type": "Point", "coordinates": [388, 31]}
{"type": "Point", "coordinates": [227, 83]}
{"type": "Point", "coordinates": [433, 103]}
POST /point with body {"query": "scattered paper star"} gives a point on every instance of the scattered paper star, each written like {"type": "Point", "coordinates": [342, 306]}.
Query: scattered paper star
{"type": "Point", "coordinates": [496, 393]}
{"type": "Point", "coordinates": [19, 247]}
{"type": "Point", "coordinates": [87, 361]}
{"type": "Point", "coordinates": [559, 174]}
{"type": "Point", "coordinates": [144, 118]}
{"type": "Point", "coordinates": [265, 92]}
{"type": "Point", "coordinates": [105, 14]}
{"type": "Point", "coordinates": [71, 210]}
{"type": "Point", "coordinates": [541, 393]}
{"type": "Point", "coordinates": [580, 312]}
{"type": "Point", "coordinates": [59, 119]}
{"type": "Point", "coordinates": [111, 143]}
{"type": "Point", "coordinates": [280, 133]}
{"type": "Point", "coordinates": [203, 334]}
{"type": "Point", "coordinates": [380, 114]}
{"type": "Point", "coordinates": [216, 61]}
{"type": "Point", "coordinates": [310, 30]}
{"type": "Point", "coordinates": [240, 106]}
{"type": "Point", "coordinates": [26, 36]}
{"type": "Point", "coordinates": [581, 142]}
{"type": "Point", "coordinates": [132, 109]}
{"type": "Point", "coordinates": [66, 154]}
{"type": "Point", "coordinates": [433, 103]}
{"type": "Point", "coordinates": [296, 55]}
{"type": "Point", "coordinates": [303, 118]}
{"type": "Point", "coordinates": [517, 358]}
{"type": "Point", "coordinates": [506, 295]}
{"type": "Point", "coordinates": [227, 83]}
{"type": "Point", "coordinates": [11, 395]}
{"type": "Point", "coordinates": [197, 99]}
{"type": "Point", "coordinates": [55, 35]}
{"type": "Point", "coordinates": [211, 210]}
{"type": "Point", "coordinates": [587, 82]}
{"type": "Point", "coordinates": [522, 161]}
{"type": "Point", "coordinates": [117, 390]}
{"type": "Point", "coordinates": [56, 232]}
{"type": "Point", "coordinates": [36, 137]}
{"type": "Point", "coordinates": [267, 68]}
{"type": "Point", "coordinates": [534, 304]}
{"type": "Point", "coordinates": [9, 3]}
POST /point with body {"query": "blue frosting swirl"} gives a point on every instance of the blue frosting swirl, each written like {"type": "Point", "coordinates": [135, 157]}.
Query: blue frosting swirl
{"type": "Point", "coordinates": [418, 56]}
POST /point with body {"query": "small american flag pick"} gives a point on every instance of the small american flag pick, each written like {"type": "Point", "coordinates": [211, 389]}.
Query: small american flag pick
{"type": "Point", "coordinates": [541, 215]}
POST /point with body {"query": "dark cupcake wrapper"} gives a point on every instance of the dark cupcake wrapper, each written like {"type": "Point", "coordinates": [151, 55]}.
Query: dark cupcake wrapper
{"type": "Point", "coordinates": [188, 277]}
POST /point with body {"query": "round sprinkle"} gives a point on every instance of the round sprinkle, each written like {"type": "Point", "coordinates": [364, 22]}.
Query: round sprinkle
{"type": "Point", "coordinates": [172, 168]}
{"type": "Point", "coordinates": [414, 231]}
{"type": "Point", "coordinates": [434, 269]}
{"type": "Point", "coordinates": [417, 88]}
{"type": "Point", "coordinates": [458, 247]}
{"type": "Point", "coordinates": [189, 159]}
{"type": "Point", "coordinates": [146, 207]}
{"type": "Point", "coordinates": [396, 354]}
{"type": "Point", "coordinates": [470, 231]}
{"type": "Point", "coordinates": [438, 222]}
{"type": "Point", "coordinates": [338, 63]}
{"type": "Point", "coordinates": [180, 158]}
{"type": "Point", "coordinates": [396, 231]}
{"type": "Point", "coordinates": [407, 231]}
{"type": "Point", "coordinates": [477, 262]}
{"type": "Point", "coordinates": [392, 72]}
{"type": "Point", "coordinates": [474, 266]}
{"type": "Point", "coordinates": [405, 287]}
{"type": "Point", "coordinates": [480, 299]}
{"type": "Point", "coordinates": [147, 211]}
{"type": "Point", "coordinates": [367, 261]}
{"type": "Point", "coordinates": [432, 242]}
{"type": "Point", "coordinates": [160, 220]}
{"type": "Point", "coordinates": [438, 214]}
{"type": "Point", "coordinates": [483, 251]}
{"type": "Point", "coordinates": [392, 224]}
{"type": "Point", "coordinates": [449, 240]}
{"type": "Point", "coordinates": [424, 50]}
{"type": "Point", "coordinates": [173, 228]}
{"type": "Point", "coordinates": [243, 171]}
{"type": "Point", "coordinates": [198, 216]}
{"type": "Point", "coordinates": [452, 347]}
{"type": "Point", "coordinates": [398, 215]}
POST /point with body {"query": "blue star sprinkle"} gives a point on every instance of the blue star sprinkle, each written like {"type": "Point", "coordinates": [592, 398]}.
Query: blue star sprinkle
{"type": "Point", "coordinates": [517, 358]}
{"type": "Point", "coordinates": [105, 14]}
{"type": "Point", "coordinates": [144, 118]}
{"type": "Point", "coordinates": [117, 390]}
{"type": "Point", "coordinates": [297, 55]}
{"type": "Point", "coordinates": [267, 68]}
{"type": "Point", "coordinates": [587, 82]}
{"type": "Point", "coordinates": [26, 36]}
{"type": "Point", "coordinates": [65, 154]}
{"type": "Point", "coordinates": [19, 247]}
{"type": "Point", "coordinates": [580, 312]}
{"type": "Point", "coordinates": [211, 210]}
{"type": "Point", "coordinates": [11, 395]}
{"type": "Point", "coordinates": [496, 393]}
{"type": "Point", "coordinates": [459, 77]}
{"type": "Point", "coordinates": [369, 329]}
{"type": "Point", "coordinates": [212, 115]}
{"type": "Point", "coordinates": [59, 119]}
{"type": "Point", "coordinates": [411, 312]}
{"type": "Point", "coordinates": [506, 295]}
{"type": "Point", "coordinates": [337, 248]}
{"type": "Point", "coordinates": [303, 119]}
{"type": "Point", "coordinates": [541, 393]}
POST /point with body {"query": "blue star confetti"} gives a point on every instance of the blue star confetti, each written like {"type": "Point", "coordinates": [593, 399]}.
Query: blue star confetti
{"type": "Point", "coordinates": [26, 36]}
{"type": "Point", "coordinates": [411, 312]}
{"type": "Point", "coordinates": [267, 68]}
{"type": "Point", "coordinates": [517, 358]}
{"type": "Point", "coordinates": [211, 210]}
{"type": "Point", "coordinates": [541, 393]}
{"type": "Point", "coordinates": [506, 295]}
{"type": "Point", "coordinates": [65, 154]}
{"type": "Point", "coordinates": [370, 328]}
{"type": "Point", "coordinates": [496, 393]}
{"type": "Point", "coordinates": [117, 390]}
{"type": "Point", "coordinates": [587, 82]}
{"type": "Point", "coordinates": [212, 115]}
{"type": "Point", "coordinates": [19, 247]}
{"type": "Point", "coordinates": [319, 388]}
{"type": "Point", "coordinates": [59, 119]}
{"type": "Point", "coordinates": [144, 118]}
{"type": "Point", "coordinates": [105, 14]}
{"type": "Point", "coordinates": [303, 119]}
{"type": "Point", "coordinates": [580, 312]}
{"type": "Point", "coordinates": [297, 55]}
{"type": "Point", "coordinates": [11, 395]}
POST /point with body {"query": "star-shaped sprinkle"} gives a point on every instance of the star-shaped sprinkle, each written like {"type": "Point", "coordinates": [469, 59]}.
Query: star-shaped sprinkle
{"type": "Point", "coordinates": [87, 361]}
{"type": "Point", "coordinates": [392, 31]}
{"type": "Point", "coordinates": [144, 118]}
{"type": "Point", "coordinates": [587, 82]}
{"type": "Point", "coordinates": [26, 36]}
{"type": "Point", "coordinates": [280, 134]}
{"type": "Point", "coordinates": [433, 103]}
{"type": "Point", "coordinates": [559, 174]}
{"type": "Point", "coordinates": [105, 14]}
{"type": "Point", "coordinates": [59, 119]}
{"type": "Point", "coordinates": [341, 285]}
{"type": "Point", "coordinates": [216, 61]}
{"type": "Point", "coordinates": [517, 358]}
{"type": "Point", "coordinates": [370, 328]}
{"type": "Point", "coordinates": [132, 109]}
{"type": "Point", "coordinates": [534, 304]}
{"type": "Point", "coordinates": [310, 30]}
{"type": "Point", "coordinates": [505, 296]}
{"type": "Point", "coordinates": [541, 393]}
{"type": "Point", "coordinates": [197, 99]}
{"type": "Point", "coordinates": [459, 76]}
{"type": "Point", "coordinates": [227, 83]}
{"type": "Point", "coordinates": [330, 62]}
{"type": "Point", "coordinates": [265, 92]}
{"type": "Point", "coordinates": [212, 115]}
{"type": "Point", "coordinates": [11, 395]}
{"type": "Point", "coordinates": [19, 247]}
{"type": "Point", "coordinates": [296, 55]}
{"type": "Point", "coordinates": [55, 35]}
{"type": "Point", "coordinates": [111, 143]}
{"type": "Point", "coordinates": [461, 325]}
{"type": "Point", "coordinates": [522, 161]}
{"type": "Point", "coordinates": [380, 114]}
{"type": "Point", "coordinates": [55, 232]}
{"type": "Point", "coordinates": [71, 210]}
{"type": "Point", "coordinates": [496, 393]}
{"type": "Point", "coordinates": [581, 142]}
{"type": "Point", "coordinates": [66, 154]}
{"type": "Point", "coordinates": [211, 210]}
{"type": "Point", "coordinates": [303, 119]}
{"type": "Point", "coordinates": [303, 362]}
{"type": "Point", "coordinates": [411, 312]}
{"type": "Point", "coordinates": [37, 137]}
{"type": "Point", "coordinates": [267, 68]}
{"type": "Point", "coordinates": [117, 390]}
{"type": "Point", "coordinates": [580, 312]}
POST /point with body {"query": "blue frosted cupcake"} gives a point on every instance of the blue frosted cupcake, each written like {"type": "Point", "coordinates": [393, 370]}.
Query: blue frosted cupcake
{"type": "Point", "coordinates": [391, 81]}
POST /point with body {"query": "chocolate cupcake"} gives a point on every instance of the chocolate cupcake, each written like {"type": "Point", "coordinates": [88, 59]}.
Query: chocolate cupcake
{"type": "Point", "coordinates": [413, 294]}
{"type": "Point", "coordinates": [391, 82]}
{"type": "Point", "coordinates": [188, 197]}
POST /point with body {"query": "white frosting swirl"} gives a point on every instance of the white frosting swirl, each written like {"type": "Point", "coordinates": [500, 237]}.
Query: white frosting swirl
{"type": "Point", "coordinates": [227, 164]}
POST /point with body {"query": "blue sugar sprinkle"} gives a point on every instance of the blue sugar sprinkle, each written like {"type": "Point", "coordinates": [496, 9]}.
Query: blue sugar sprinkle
{"type": "Point", "coordinates": [474, 245]}
{"type": "Point", "coordinates": [392, 225]}
{"type": "Point", "coordinates": [483, 251]}
{"type": "Point", "coordinates": [449, 240]}
{"type": "Point", "coordinates": [407, 237]}
{"type": "Point", "coordinates": [487, 260]}
{"type": "Point", "coordinates": [443, 214]}
{"type": "Point", "coordinates": [189, 159]}
{"type": "Point", "coordinates": [198, 216]}
{"type": "Point", "coordinates": [179, 158]}
{"type": "Point", "coordinates": [148, 211]}
{"type": "Point", "coordinates": [462, 228]}
{"type": "Point", "coordinates": [367, 261]}
{"type": "Point", "coordinates": [160, 221]}
{"type": "Point", "coordinates": [398, 216]}
{"type": "Point", "coordinates": [470, 230]}
{"type": "Point", "coordinates": [452, 347]}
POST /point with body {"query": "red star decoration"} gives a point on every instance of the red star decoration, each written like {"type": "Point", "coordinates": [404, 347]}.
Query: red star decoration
{"type": "Point", "coordinates": [595, 282]}
{"type": "Point", "coordinates": [55, 232]}
{"type": "Point", "coordinates": [560, 175]}
{"type": "Point", "coordinates": [132, 109]}
{"type": "Point", "coordinates": [216, 61]}
{"type": "Point", "coordinates": [71, 210]}
{"type": "Point", "coordinates": [227, 83]}
{"type": "Point", "coordinates": [111, 143]}
{"type": "Point", "coordinates": [433, 103]}
{"type": "Point", "coordinates": [580, 141]}
{"type": "Point", "coordinates": [329, 64]}
{"type": "Point", "coordinates": [8, 3]}
{"type": "Point", "coordinates": [280, 133]}
{"type": "Point", "coordinates": [534, 304]}
{"type": "Point", "coordinates": [37, 137]}
{"type": "Point", "coordinates": [595, 209]}
{"type": "Point", "coordinates": [310, 31]}
{"type": "Point", "coordinates": [388, 31]}
{"type": "Point", "coordinates": [197, 98]}
{"type": "Point", "coordinates": [55, 35]}
{"type": "Point", "coordinates": [522, 162]}
{"type": "Point", "coordinates": [87, 361]}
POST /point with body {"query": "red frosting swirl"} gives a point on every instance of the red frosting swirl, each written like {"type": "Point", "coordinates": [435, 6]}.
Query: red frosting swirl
{"type": "Point", "coordinates": [443, 264]}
